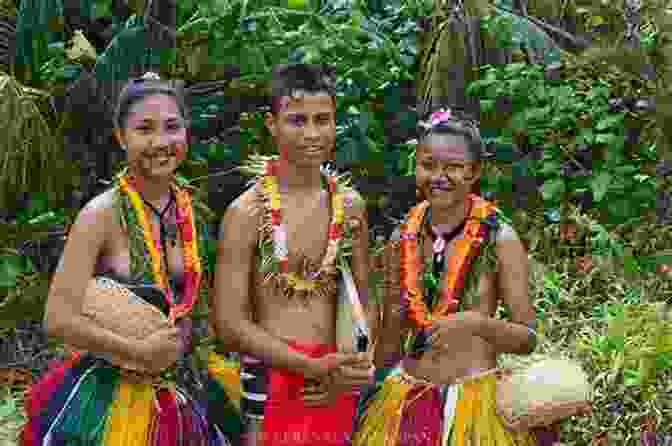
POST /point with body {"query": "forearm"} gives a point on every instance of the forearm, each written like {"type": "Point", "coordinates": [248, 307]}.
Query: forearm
{"type": "Point", "coordinates": [388, 349]}
{"type": "Point", "coordinates": [250, 338]}
{"type": "Point", "coordinates": [83, 333]}
{"type": "Point", "coordinates": [507, 337]}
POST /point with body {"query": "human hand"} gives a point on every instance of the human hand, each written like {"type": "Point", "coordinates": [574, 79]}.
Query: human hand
{"type": "Point", "coordinates": [359, 371]}
{"type": "Point", "coordinates": [343, 371]}
{"type": "Point", "coordinates": [453, 328]}
{"type": "Point", "coordinates": [159, 351]}
{"type": "Point", "coordinates": [317, 390]}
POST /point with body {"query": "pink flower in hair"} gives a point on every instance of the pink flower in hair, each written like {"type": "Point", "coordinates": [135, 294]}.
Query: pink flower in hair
{"type": "Point", "coordinates": [439, 116]}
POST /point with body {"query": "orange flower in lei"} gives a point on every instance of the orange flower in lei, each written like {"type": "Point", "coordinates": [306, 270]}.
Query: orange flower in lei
{"type": "Point", "coordinates": [466, 250]}
{"type": "Point", "coordinates": [187, 228]}
{"type": "Point", "coordinates": [280, 250]}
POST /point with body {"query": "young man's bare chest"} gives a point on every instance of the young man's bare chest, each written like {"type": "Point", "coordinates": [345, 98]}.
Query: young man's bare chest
{"type": "Point", "coordinates": [307, 221]}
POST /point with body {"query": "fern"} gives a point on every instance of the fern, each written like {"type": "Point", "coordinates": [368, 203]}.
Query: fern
{"type": "Point", "coordinates": [39, 23]}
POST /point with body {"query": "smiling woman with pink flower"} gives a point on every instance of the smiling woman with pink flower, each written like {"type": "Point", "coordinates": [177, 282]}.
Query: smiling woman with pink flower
{"type": "Point", "coordinates": [446, 268]}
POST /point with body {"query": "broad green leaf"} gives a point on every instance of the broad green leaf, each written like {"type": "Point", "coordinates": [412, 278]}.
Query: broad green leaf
{"type": "Point", "coordinates": [43, 218]}
{"type": "Point", "coordinates": [487, 105]}
{"type": "Point", "coordinates": [539, 114]}
{"type": "Point", "coordinates": [540, 92]}
{"type": "Point", "coordinates": [621, 208]}
{"type": "Point", "coordinates": [626, 169]}
{"type": "Point", "coordinates": [614, 156]}
{"type": "Point", "coordinates": [586, 136]}
{"type": "Point", "coordinates": [549, 167]}
{"type": "Point", "coordinates": [598, 92]}
{"type": "Point", "coordinates": [596, 20]}
{"type": "Point", "coordinates": [610, 121]}
{"type": "Point", "coordinates": [605, 138]}
{"type": "Point", "coordinates": [11, 267]}
{"type": "Point", "coordinates": [553, 188]}
{"type": "Point", "coordinates": [514, 68]}
{"type": "Point", "coordinates": [630, 264]}
{"type": "Point", "coordinates": [479, 85]}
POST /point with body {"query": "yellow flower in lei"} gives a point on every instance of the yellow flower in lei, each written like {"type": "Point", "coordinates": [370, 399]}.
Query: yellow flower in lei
{"type": "Point", "coordinates": [139, 208]}
{"type": "Point", "coordinates": [298, 283]}
{"type": "Point", "coordinates": [339, 210]}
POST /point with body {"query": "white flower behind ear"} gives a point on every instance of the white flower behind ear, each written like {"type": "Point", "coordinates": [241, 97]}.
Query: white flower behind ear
{"type": "Point", "coordinates": [80, 48]}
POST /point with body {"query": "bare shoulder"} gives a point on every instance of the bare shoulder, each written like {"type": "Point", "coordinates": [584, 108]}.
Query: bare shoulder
{"type": "Point", "coordinates": [246, 204]}
{"type": "Point", "coordinates": [98, 211]}
{"type": "Point", "coordinates": [86, 239]}
{"type": "Point", "coordinates": [242, 216]}
{"type": "Point", "coordinates": [509, 247]}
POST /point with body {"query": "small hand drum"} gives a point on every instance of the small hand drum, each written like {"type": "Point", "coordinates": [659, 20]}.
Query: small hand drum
{"type": "Point", "coordinates": [120, 308]}
{"type": "Point", "coordinates": [542, 394]}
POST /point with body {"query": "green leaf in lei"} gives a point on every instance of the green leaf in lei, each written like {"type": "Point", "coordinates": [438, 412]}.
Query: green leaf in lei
{"type": "Point", "coordinates": [139, 257]}
{"type": "Point", "coordinates": [430, 281]}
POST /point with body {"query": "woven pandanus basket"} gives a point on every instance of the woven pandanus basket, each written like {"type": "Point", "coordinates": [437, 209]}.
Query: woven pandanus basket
{"type": "Point", "coordinates": [542, 394]}
{"type": "Point", "coordinates": [116, 308]}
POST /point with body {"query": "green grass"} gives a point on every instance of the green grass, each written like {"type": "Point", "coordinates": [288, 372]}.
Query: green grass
{"type": "Point", "coordinates": [11, 416]}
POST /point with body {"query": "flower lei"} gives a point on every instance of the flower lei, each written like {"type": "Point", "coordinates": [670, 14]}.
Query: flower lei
{"type": "Point", "coordinates": [138, 213]}
{"type": "Point", "coordinates": [279, 230]}
{"type": "Point", "coordinates": [466, 249]}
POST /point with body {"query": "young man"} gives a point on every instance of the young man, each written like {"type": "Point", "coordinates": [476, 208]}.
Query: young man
{"type": "Point", "coordinates": [447, 267]}
{"type": "Point", "coordinates": [277, 281]}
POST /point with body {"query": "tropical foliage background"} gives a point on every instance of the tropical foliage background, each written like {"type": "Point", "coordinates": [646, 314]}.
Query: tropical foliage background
{"type": "Point", "coordinates": [571, 96]}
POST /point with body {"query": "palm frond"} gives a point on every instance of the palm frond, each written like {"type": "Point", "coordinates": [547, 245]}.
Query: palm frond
{"type": "Point", "coordinates": [30, 151]}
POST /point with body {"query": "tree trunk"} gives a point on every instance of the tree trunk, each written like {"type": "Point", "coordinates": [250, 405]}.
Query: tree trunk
{"type": "Point", "coordinates": [450, 50]}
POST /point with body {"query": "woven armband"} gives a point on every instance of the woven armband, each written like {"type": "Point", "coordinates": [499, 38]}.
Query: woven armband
{"type": "Point", "coordinates": [533, 338]}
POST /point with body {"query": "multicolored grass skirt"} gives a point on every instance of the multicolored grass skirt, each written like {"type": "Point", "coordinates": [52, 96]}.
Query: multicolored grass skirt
{"type": "Point", "coordinates": [227, 373]}
{"type": "Point", "coordinates": [85, 401]}
{"type": "Point", "coordinates": [405, 411]}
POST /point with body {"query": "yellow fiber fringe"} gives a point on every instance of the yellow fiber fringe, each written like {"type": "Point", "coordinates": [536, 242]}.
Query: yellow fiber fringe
{"type": "Point", "coordinates": [380, 423]}
{"type": "Point", "coordinates": [227, 373]}
{"type": "Point", "coordinates": [131, 415]}
{"type": "Point", "coordinates": [476, 421]}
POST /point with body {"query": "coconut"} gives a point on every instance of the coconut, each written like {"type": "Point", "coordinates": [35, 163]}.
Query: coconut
{"type": "Point", "coordinates": [548, 381]}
